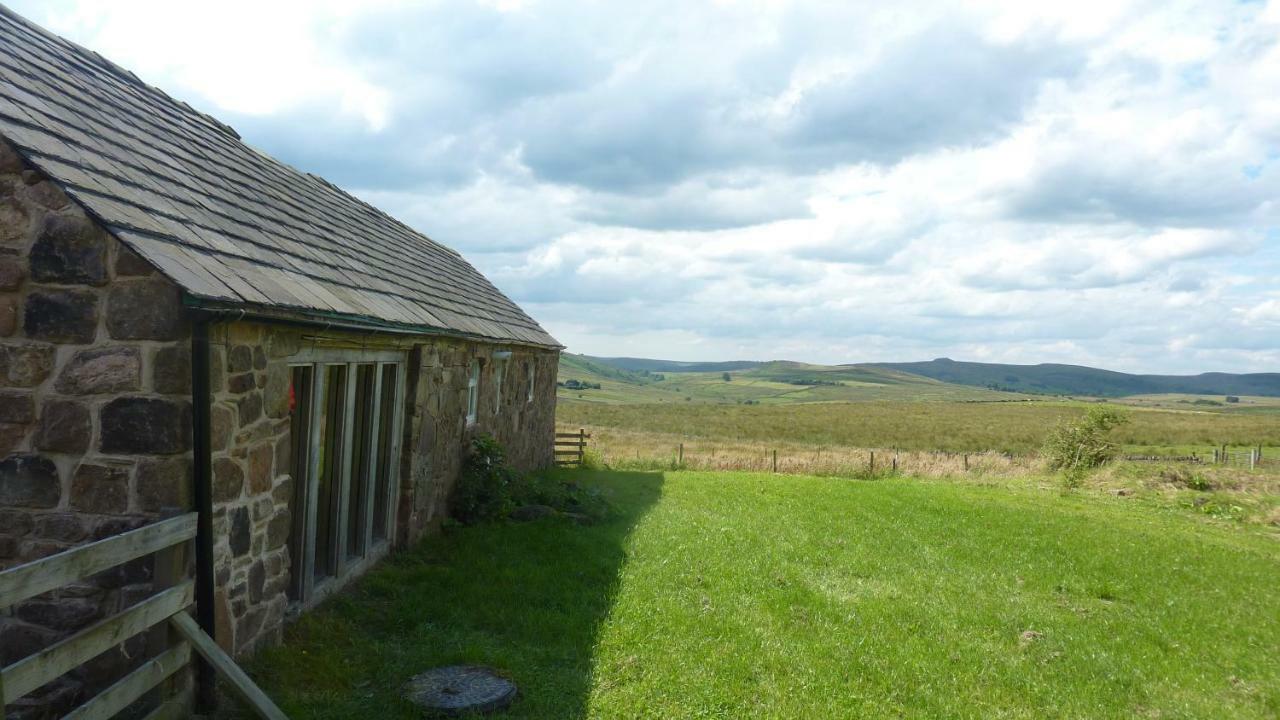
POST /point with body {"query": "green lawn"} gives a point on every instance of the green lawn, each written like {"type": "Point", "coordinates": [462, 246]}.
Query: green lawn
{"type": "Point", "coordinates": [737, 595]}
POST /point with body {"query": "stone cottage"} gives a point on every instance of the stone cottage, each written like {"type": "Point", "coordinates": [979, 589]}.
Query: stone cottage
{"type": "Point", "coordinates": [187, 323]}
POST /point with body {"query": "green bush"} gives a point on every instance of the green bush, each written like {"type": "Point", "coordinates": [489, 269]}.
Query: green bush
{"type": "Point", "coordinates": [483, 491]}
{"type": "Point", "coordinates": [1077, 446]}
{"type": "Point", "coordinates": [488, 490]}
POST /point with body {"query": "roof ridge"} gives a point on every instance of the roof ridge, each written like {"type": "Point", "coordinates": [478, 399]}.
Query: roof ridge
{"type": "Point", "coordinates": [93, 56]}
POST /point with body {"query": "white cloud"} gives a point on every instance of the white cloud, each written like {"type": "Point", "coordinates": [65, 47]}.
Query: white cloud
{"type": "Point", "coordinates": [1093, 182]}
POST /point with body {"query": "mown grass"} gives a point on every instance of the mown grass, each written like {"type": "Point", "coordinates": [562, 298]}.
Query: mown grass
{"type": "Point", "coordinates": [952, 426]}
{"type": "Point", "coordinates": [736, 595]}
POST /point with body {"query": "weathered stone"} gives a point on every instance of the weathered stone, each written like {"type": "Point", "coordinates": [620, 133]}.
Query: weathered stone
{"type": "Point", "coordinates": [260, 472]}
{"type": "Point", "coordinates": [29, 481]}
{"type": "Point", "coordinates": [278, 530]}
{"type": "Point", "coordinates": [69, 249]}
{"type": "Point", "coordinates": [262, 508]}
{"type": "Point", "coordinates": [19, 639]}
{"type": "Point", "coordinates": [47, 195]}
{"type": "Point", "coordinates": [8, 316]}
{"type": "Point", "coordinates": [282, 494]}
{"type": "Point", "coordinates": [250, 408]}
{"type": "Point", "coordinates": [130, 263]}
{"type": "Point", "coordinates": [17, 407]}
{"type": "Point", "coordinates": [221, 424]}
{"type": "Point", "coordinates": [145, 426]}
{"type": "Point", "coordinates": [11, 437]}
{"type": "Point", "coordinates": [216, 372]}
{"type": "Point", "coordinates": [239, 536]}
{"type": "Point", "coordinates": [69, 316]}
{"type": "Point", "coordinates": [164, 484]}
{"type": "Point", "coordinates": [61, 614]}
{"type": "Point", "coordinates": [15, 522]}
{"type": "Point", "coordinates": [259, 358]}
{"type": "Point", "coordinates": [108, 527]}
{"type": "Point", "coordinates": [11, 163]}
{"type": "Point", "coordinates": [240, 359]}
{"type": "Point", "coordinates": [276, 393]}
{"type": "Point", "coordinates": [144, 309]}
{"type": "Point", "coordinates": [15, 220]}
{"type": "Point", "coordinates": [283, 343]}
{"type": "Point", "coordinates": [100, 489]}
{"type": "Point", "coordinates": [171, 370]}
{"type": "Point", "coordinates": [247, 629]}
{"type": "Point", "coordinates": [64, 427]}
{"type": "Point", "coordinates": [10, 548]}
{"type": "Point", "coordinates": [257, 581]}
{"type": "Point", "coordinates": [284, 456]}
{"type": "Point", "coordinates": [460, 690]}
{"type": "Point", "coordinates": [228, 480]}
{"type": "Point", "coordinates": [11, 274]}
{"type": "Point", "coordinates": [110, 369]}
{"type": "Point", "coordinates": [25, 365]}
{"type": "Point", "coordinates": [241, 383]}
{"type": "Point", "coordinates": [65, 527]}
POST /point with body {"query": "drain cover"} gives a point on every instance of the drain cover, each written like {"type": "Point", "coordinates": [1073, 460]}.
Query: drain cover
{"type": "Point", "coordinates": [460, 689]}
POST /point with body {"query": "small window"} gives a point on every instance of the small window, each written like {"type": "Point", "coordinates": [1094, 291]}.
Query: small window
{"type": "Point", "coordinates": [529, 369]}
{"type": "Point", "coordinates": [499, 371]}
{"type": "Point", "coordinates": [473, 392]}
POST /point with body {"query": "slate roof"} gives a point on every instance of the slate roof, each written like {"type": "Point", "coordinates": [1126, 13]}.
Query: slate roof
{"type": "Point", "coordinates": [227, 223]}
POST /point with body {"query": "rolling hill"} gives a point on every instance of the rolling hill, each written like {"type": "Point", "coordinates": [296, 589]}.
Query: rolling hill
{"type": "Point", "coordinates": [1053, 379]}
{"type": "Point", "coordinates": [589, 379]}
{"type": "Point", "coordinates": [647, 380]}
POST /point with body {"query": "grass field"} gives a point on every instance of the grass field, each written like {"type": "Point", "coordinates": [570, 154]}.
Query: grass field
{"type": "Point", "coordinates": [731, 595]}
{"type": "Point", "coordinates": [973, 427]}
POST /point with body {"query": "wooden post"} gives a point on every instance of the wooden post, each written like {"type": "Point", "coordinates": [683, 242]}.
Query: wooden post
{"type": "Point", "coordinates": [775, 461]}
{"type": "Point", "coordinates": [582, 445]}
{"type": "Point", "coordinates": [1225, 460]}
{"type": "Point", "coordinates": [1253, 458]}
{"type": "Point", "coordinates": [895, 463]}
{"type": "Point", "coordinates": [680, 455]}
{"type": "Point", "coordinates": [873, 462]}
{"type": "Point", "coordinates": [966, 462]}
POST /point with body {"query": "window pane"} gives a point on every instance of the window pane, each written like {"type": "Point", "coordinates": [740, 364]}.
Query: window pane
{"type": "Point", "coordinates": [329, 477]}
{"type": "Point", "coordinates": [386, 474]}
{"type": "Point", "coordinates": [361, 437]}
{"type": "Point", "coordinates": [300, 440]}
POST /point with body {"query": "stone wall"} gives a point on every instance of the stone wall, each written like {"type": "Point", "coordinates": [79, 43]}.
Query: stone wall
{"type": "Point", "coordinates": [94, 413]}
{"type": "Point", "coordinates": [436, 430]}
{"type": "Point", "coordinates": [253, 485]}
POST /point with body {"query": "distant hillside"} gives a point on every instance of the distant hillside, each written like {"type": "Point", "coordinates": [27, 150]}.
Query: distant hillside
{"type": "Point", "coordinates": [597, 380]}
{"type": "Point", "coordinates": [1055, 379]}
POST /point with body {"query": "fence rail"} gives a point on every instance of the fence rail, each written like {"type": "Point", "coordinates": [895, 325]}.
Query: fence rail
{"type": "Point", "coordinates": [156, 615]}
{"type": "Point", "coordinates": [570, 448]}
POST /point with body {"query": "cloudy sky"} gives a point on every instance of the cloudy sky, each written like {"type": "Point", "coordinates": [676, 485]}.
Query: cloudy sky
{"type": "Point", "coordinates": [1097, 183]}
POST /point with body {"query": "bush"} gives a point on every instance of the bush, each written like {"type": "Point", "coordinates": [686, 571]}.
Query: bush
{"type": "Point", "coordinates": [484, 487]}
{"type": "Point", "coordinates": [1078, 446]}
{"type": "Point", "coordinates": [488, 490]}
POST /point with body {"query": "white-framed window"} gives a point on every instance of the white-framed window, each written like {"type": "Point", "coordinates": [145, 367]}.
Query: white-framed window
{"type": "Point", "coordinates": [499, 372]}
{"type": "Point", "coordinates": [346, 416]}
{"type": "Point", "coordinates": [530, 371]}
{"type": "Point", "coordinates": [473, 391]}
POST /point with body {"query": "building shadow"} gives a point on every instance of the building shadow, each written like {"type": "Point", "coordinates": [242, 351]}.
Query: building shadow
{"type": "Point", "coordinates": [528, 599]}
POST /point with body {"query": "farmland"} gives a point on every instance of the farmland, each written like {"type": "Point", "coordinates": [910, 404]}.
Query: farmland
{"type": "Point", "coordinates": [747, 595]}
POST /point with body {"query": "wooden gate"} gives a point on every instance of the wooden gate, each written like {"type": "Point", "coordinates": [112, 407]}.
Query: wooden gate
{"type": "Point", "coordinates": [570, 447]}
{"type": "Point", "coordinates": [171, 633]}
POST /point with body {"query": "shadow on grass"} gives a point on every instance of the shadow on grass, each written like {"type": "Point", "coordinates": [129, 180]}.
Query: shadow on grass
{"type": "Point", "coordinates": [527, 599]}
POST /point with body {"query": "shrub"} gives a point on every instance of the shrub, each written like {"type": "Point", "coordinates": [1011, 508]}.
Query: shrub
{"type": "Point", "coordinates": [483, 491]}
{"type": "Point", "coordinates": [1075, 447]}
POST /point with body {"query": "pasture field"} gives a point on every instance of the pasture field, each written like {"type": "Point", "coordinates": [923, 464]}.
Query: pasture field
{"type": "Point", "coordinates": [749, 595]}
{"type": "Point", "coordinates": [1016, 427]}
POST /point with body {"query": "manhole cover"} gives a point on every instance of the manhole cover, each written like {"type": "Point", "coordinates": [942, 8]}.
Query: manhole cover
{"type": "Point", "coordinates": [460, 689]}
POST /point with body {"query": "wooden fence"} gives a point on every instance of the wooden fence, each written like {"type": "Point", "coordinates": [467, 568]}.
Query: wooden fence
{"type": "Point", "coordinates": [571, 447]}
{"type": "Point", "coordinates": [172, 635]}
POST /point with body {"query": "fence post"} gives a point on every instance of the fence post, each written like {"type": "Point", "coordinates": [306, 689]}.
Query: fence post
{"type": "Point", "coordinates": [775, 461]}
{"type": "Point", "coordinates": [680, 455]}
{"type": "Point", "coordinates": [582, 445]}
{"type": "Point", "coordinates": [1253, 458]}
{"type": "Point", "coordinates": [966, 462]}
{"type": "Point", "coordinates": [873, 462]}
{"type": "Point", "coordinates": [895, 464]}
